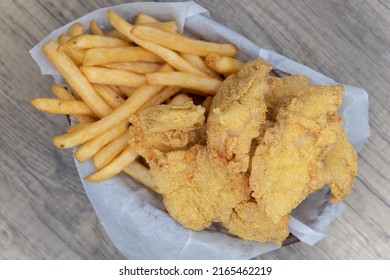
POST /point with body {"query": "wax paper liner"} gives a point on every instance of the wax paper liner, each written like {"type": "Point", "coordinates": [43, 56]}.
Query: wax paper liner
{"type": "Point", "coordinates": [134, 217]}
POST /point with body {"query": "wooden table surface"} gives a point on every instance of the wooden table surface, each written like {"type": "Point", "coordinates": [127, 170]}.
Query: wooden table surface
{"type": "Point", "coordinates": [44, 211]}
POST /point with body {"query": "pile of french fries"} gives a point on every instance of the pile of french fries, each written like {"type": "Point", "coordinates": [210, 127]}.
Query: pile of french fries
{"type": "Point", "coordinates": [114, 74]}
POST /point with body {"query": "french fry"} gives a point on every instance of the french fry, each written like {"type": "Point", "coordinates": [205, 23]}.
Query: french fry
{"type": "Point", "coordinates": [141, 174]}
{"type": "Point", "coordinates": [76, 55]}
{"type": "Point", "coordinates": [171, 57]}
{"type": "Point", "coordinates": [75, 79]}
{"type": "Point", "coordinates": [105, 76]}
{"type": "Point", "coordinates": [61, 93]}
{"type": "Point", "coordinates": [58, 106]}
{"type": "Point", "coordinates": [136, 67]}
{"type": "Point", "coordinates": [118, 91]}
{"type": "Point", "coordinates": [180, 99]}
{"type": "Point", "coordinates": [127, 156]}
{"type": "Point", "coordinates": [161, 97]}
{"type": "Point", "coordinates": [123, 112]}
{"type": "Point", "coordinates": [116, 34]}
{"type": "Point", "coordinates": [87, 41]}
{"type": "Point", "coordinates": [167, 26]}
{"type": "Point", "coordinates": [76, 29]}
{"type": "Point", "coordinates": [102, 56]}
{"type": "Point", "coordinates": [110, 96]}
{"type": "Point", "coordinates": [181, 43]}
{"type": "Point", "coordinates": [75, 127]}
{"type": "Point", "coordinates": [63, 38]}
{"type": "Point", "coordinates": [111, 150]}
{"type": "Point", "coordinates": [206, 85]}
{"type": "Point", "coordinates": [223, 64]}
{"type": "Point", "coordinates": [199, 63]}
{"type": "Point", "coordinates": [91, 147]}
{"type": "Point", "coordinates": [128, 91]}
{"type": "Point", "coordinates": [95, 29]}
{"type": "Point", "coordinates": [143, 18]}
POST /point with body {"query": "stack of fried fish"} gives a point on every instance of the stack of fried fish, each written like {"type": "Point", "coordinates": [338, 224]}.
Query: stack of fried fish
{"type": "Point", "coordinates": [264, 145]}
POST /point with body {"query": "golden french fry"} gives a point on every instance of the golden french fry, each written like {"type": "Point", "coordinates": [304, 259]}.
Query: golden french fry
{"type": "Point", "coordinates": [123, 112]}
{"type": "Point", "coordinates": [76, 29]}
{"type": "Point", "coordinates": [143, 18]}
{"type": "Point", "coordinates": [182, 43]}
{"type": "Point", "coordinates": [91, 147]}
{"type": "Point", "coordinates": [75, 79]}
{"type": "Point", "coordinates": [223, 64]}
{"type": "Point", "coordinates": [95, 29]}
{"type": "Point", "coordinates": [128, 91]}
{"type": "Point", "coordinates": [76, 55]}
{"type": "Point", "coordinates": [167, 26]}
{"type": "Point", "coordinates": [127, 156]}
{"type": "Point", "coordinates": [61, 93]}
{"type": "Point", "coordinates": [87, 41]}
{"type": "Point", "coordinates": [102, 56]}
{"type": "Point", "coordinates": [63, 38]}
{"type": "Point", "coordinates": [117, 90]}
{"type": "Point", "coordinates": [199, 63]}
{"type": "Point", "coordinates": [171, 57]}
{"type": "Point", "coordinates": [111, 150]}
{"type": "Point", "coordinates": [136, 67]}
{"type": "Point", "coordinates": [76, 126]}
{"type": "Point", "coordinates": [179, 99]}
{"type": "Point", "coordinates": [141, 174]}
{"type": "Point", "coordinates": [185, 80]}
{"type": "Point", "coordinates": [161, 97]}
{"type": "Point", "coordinates": [116, 34]}
{"type": "Point", "coordinates": [58, 106]}
{"type": "Point", "coordinates": [110, 96]}
{"type": "Point", "coordinates": [105, 76]}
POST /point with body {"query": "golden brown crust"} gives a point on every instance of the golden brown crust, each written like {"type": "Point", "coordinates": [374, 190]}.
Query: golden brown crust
{"type": "Point", "coordinates": [236, 113]}
{"type": "Point", "coordinates": [294, 147]}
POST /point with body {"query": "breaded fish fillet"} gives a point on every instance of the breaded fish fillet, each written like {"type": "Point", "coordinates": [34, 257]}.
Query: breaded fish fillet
{"type": "Point", "coordinates": [196, 192]}
{"type": "Point", "coordinates": [236, 113]}
{"type": "Point", "coordinates": [167, 127]}
{"type": "Point", "coordinates": [286, 161]}
{"type": "Point", "coordinates": [250, 222]}
{"type": "Point", "coordinates": [281, 91]}
{"type": "Point", "coordinates": [340, 168]}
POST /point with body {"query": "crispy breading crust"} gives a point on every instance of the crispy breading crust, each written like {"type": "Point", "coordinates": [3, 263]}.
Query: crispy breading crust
{"type": "Point", "coordinates": [293, 147]}
{"type": "Point", "coordinates": [236, 113]}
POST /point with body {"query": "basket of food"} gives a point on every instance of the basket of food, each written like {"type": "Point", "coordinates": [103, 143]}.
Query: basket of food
{"type": "Point", "coordinates": [232, 150]}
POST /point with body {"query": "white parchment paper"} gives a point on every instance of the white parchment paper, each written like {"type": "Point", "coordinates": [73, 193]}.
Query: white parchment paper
{"type": "Point", "coordinates": [135, 218]}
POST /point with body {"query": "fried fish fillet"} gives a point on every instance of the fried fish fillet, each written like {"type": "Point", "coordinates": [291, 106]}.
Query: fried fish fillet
{"type": "Point", "coordinates": [281, 91]}
{"type": "Point", "coordinates": [167, 127]}
{"type": "Point", "coordinates": [340, 164]}
{"type": "Point", "coordinates": [250, 222]}
{"type": "Point", "coordinates": [236, 113]}
{"type": "Point", "coordinates": [195, 191]}
{"type": "Point", "coordinates": [286, 161]}
{"type": "Point", "coordinates": [340, 168]}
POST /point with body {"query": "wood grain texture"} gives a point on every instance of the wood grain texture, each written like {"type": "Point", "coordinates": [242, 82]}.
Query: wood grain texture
{"type": "Point", "coordinates": [44, 212]}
